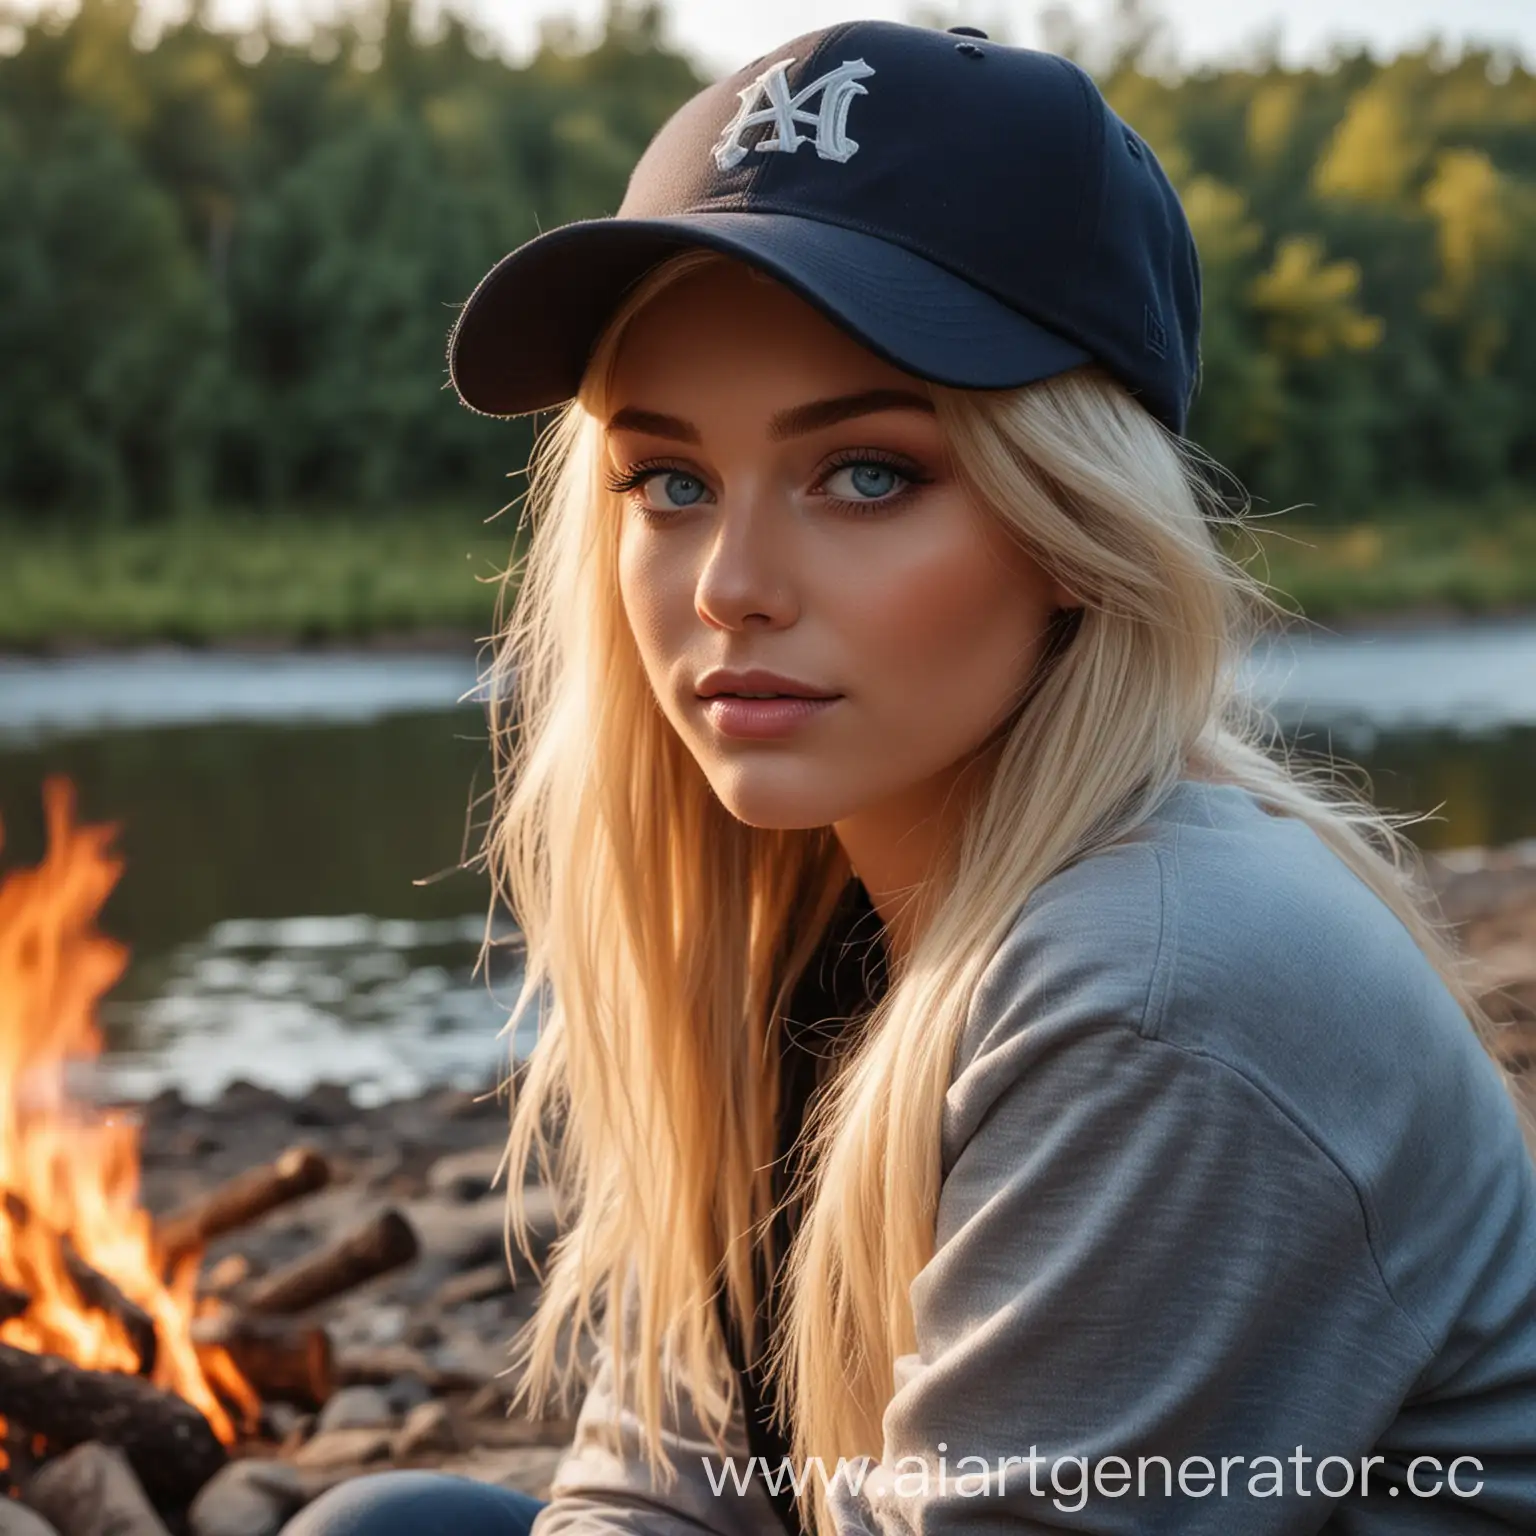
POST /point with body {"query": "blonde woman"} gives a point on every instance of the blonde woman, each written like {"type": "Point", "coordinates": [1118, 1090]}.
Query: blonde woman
{"type": "Point", "coordinates": [993, 1091]}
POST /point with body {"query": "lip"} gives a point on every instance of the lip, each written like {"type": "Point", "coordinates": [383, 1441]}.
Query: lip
{"type": "Point", "coordinates": [763, 719]}
{"type": "Point", "coordinates": [758, 680]}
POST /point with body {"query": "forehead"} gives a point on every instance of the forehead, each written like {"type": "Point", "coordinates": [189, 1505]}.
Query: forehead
{"type": "Point", "coordinates": [729, 327]}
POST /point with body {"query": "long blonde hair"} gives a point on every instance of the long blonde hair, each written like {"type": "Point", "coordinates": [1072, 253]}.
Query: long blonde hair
{"type": "Point", "coordinates": [666, 935]}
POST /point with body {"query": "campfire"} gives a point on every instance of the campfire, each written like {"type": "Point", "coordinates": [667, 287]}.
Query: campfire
{"type": "Point", "coordinates": [205, 1308]}
{"type": "Point", "coordinates": [84, 1280]}
{"type": "Point", "coordinates": [111, 1334]}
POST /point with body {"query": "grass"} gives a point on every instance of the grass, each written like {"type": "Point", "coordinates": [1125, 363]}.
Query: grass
{"type": "Point", "coordinates": [345, 576]}
{"type": "Point", "coordinates": [222, 579]}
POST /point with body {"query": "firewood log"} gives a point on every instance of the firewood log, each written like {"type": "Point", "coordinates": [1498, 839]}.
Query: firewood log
{"type": "Point", "coordinates": [384, 1242]}
{"type": "Point", "coordinates": [168, 1443]}
{"type": "Point", "coordinates": [241, 1200]}
{"type": "Point", "coordinates": [283, 1359]}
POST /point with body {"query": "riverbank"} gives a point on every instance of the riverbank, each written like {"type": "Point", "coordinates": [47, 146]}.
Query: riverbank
{"type": "Point", "coordinates": [430, 577]}
{"type": "Point", "coordinates": [238, 579]}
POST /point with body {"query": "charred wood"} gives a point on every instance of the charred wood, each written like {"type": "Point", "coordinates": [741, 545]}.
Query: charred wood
{"type": "Point", "coordinates": [13, 1303]}
{"type": "Point", "coordinates": [281, 1358]}
{"type": "Point", "coordinates": [96, 1290]}
{"type": "Point", "coordinates": [93, 1289]}
{"type": "Point", "coordinates": [169, 1444]}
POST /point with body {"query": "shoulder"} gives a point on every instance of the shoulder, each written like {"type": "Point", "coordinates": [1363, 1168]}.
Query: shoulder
{"type": "Point", "coordinates": [1226, 945]}
{"type": "Point", "coordinates": [1222, 930]}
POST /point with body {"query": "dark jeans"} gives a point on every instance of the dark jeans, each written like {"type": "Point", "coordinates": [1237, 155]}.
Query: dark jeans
{"type": "Point", "coordinates": [416, 1504]}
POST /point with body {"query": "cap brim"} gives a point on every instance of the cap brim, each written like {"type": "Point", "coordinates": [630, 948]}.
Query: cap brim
{"type": "Point", "coordinates": [522, 341]}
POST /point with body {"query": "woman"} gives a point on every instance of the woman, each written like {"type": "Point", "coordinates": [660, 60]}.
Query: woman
{"type": "Point", "coordinates": [992, 1088]}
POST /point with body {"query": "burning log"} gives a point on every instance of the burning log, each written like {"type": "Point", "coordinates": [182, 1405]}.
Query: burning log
{"type": "Point", "coordinates": [167, 1441]}
{"type": "Point", "coordinates": [383, 1243]}
{"type": "Point", "coordinates": [94, 1289]}
{"type": "Point", "coordinates": [243, 1199]}
{"type": "Point", "coordinates": [18, 1446]}
{"type": "Point", "coordinates": [13, 1303]}
{"type": "Point", "coordinates": [70, 1184]}
{"type": "Point", "coordinates": [282, 1359]}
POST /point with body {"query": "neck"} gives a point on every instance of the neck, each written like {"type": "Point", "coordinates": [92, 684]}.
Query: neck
{"type": "Point", "coordinates": [900, 847]}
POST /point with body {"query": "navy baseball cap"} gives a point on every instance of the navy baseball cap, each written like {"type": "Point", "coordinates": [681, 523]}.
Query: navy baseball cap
{"type": "Point", "coordinates": [972, 212]}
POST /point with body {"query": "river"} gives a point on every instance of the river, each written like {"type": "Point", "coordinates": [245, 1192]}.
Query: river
{"type": "Point", "coordinates": [295, 829]}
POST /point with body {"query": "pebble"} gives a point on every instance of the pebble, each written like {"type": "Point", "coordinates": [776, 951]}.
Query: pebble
{"type": "Point", "coordinates": [407, 1392]}
{"type": "Point", "coordinates": [466, 1176]}
{"type": "Point", "coordinates": [345, 1448]}
{"type": "Point", "coordinates": [428, 1427]}
{"type": "Point", "coordinates": [357, 1408]}
{"type": "Point", "coordinates": [17, 1520]}
{"type": "Point", "coordinates": [247, 1498]}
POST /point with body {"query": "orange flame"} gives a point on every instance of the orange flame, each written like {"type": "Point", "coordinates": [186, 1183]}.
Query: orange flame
{"type": "Point", "coordinates": [67, 1172]}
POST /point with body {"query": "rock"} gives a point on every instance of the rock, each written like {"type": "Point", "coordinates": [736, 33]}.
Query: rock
{"type": "Point", "coordinates": [530, 1469]}
{"type": "Point", "coordinates": [381, 1325]}
{"type": "Point", "coordinates": [93, 1489]}
{"type": "Point", "coordinates": [17, 1520]}
{"type": "Point", "coordinates": [244, 1098]}
{"type": "Point", "coordinates": [406, 1392]}
{"type": "Point", "coordinates": [279, 1420]}
{"type": "Point", "coordinates": [345, 1448]}
{"type": "Point", "coordinates": [194, 1142]}
{"type": "Point", "coordinates": [326, 1104]}
{"type": "Point", "coordinates": [357, 1408]}
{"type": "Point", "coordinates": [298, 1432]}
{"type": "Point", "coordinates": [445, 1370]}
{"type": "Point", "coordinates": [465, 1104]}
{"type": "Point", "coordinates": [424, 1333]}
{"type": "Point", "coordinates": [466, 1176]}
{"type": "Point", "coordinates": [453, 1238]}
{"type": "Point", "coordinates": [428, 1427]}
{"type": "Point", "coordinates": [247, 1498]}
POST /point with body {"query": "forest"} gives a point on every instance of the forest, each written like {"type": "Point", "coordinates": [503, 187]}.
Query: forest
{"type": "Point", "coordinates": [230, 260]}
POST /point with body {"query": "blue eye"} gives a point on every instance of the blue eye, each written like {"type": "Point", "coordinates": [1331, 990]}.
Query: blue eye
{"type": "Point", "coordinates": [683, 489]}
{"type": "Point", "coordinates": [869, 479]}
{"type": "Point", "coordinates": [873, 483]}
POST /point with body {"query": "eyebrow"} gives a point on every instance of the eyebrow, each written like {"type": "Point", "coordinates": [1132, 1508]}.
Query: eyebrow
{"type": "Point", "coordinates": [795, 421]}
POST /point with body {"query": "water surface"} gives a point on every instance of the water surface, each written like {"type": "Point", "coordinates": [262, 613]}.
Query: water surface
{"type": "Point", "coordinates": [298, 830]}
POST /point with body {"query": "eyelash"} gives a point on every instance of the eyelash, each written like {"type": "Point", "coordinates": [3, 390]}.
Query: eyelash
{"type": "Point", "coordinates": [633, 479]}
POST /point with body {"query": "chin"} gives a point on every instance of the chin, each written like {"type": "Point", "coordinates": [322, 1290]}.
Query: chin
{"type": "Point", "coordinates": [777, 807]}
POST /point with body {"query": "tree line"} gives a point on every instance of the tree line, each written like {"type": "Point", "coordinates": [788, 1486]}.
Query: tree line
{"type": "Point", "coordinates": [229, 261]}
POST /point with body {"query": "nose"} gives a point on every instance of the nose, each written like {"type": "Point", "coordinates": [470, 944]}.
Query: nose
{"type": "Point", "coordinates": [749, 568]}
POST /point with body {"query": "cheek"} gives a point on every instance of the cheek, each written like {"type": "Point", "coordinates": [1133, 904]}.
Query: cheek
{"type": "Point", "coordinates": [950, 631]}
{"type": "Point", "coordinates": [651, 595]}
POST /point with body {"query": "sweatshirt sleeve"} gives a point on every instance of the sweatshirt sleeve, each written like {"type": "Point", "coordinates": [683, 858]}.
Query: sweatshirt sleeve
{"type": "Point", "coordinates": [1138, 1255]}
{"type": "Point", "coordinates": [603, 1488]}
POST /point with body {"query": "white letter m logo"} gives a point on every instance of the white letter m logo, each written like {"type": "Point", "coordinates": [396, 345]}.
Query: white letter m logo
{"type": "Point", "coordinates": [838, 87]}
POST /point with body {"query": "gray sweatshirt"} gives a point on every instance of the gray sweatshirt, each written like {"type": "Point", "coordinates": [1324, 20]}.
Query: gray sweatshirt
{"type": "Point", "coordinates": [1237, 1234]}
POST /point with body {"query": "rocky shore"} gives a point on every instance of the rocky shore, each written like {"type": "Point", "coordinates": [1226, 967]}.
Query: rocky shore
{"type": "Point", "coordinates": [1489, 895]}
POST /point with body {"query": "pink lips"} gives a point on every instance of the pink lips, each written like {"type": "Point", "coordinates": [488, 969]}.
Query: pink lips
{"type": "Point", "coordinates": [761, 719]}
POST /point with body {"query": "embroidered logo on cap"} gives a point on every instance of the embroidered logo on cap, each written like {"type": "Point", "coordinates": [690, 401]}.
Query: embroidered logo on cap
{"type": "Point", "coordinates": [838, 87]}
